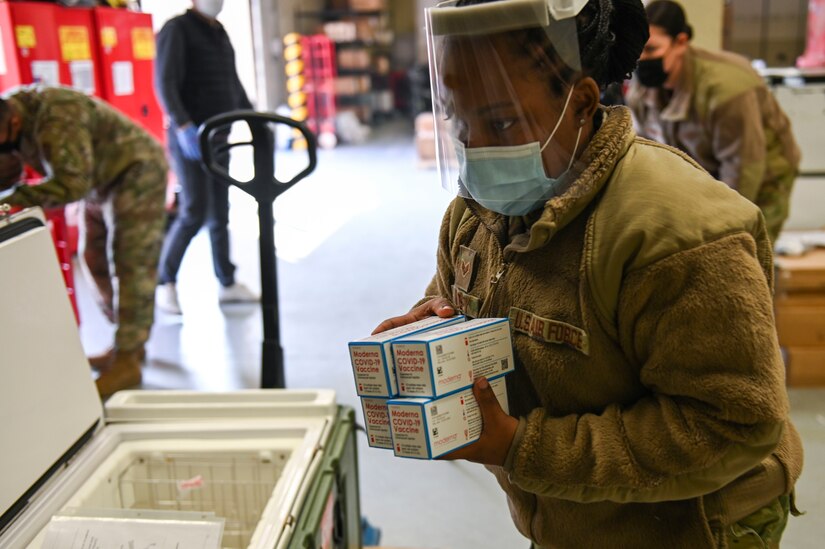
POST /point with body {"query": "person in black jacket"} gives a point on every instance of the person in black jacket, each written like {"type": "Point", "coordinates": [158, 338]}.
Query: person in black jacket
{"type": "Point", "coordinates": [196, 79]}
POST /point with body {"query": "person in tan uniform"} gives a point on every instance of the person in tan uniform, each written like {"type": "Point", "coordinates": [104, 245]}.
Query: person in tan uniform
{"type": "Point", "coordinates": [715, 107]}
{"type": "Point", "coordinates": [663, 420]}
{"type": "Point", "coordinates": [88, 151]}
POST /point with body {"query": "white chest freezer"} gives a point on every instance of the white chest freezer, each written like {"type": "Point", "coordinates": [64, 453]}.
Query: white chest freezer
{"type": "Point", "coordinates": [272, 468]}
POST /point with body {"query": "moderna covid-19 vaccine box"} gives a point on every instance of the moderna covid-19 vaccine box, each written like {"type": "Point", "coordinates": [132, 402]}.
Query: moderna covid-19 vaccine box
{"type": "Point", "coordinates": [372, 361]}
{"type": "Point", "coordinates": [426, 428]}
{"type": "Point", "coordinates": [448, 359]}
{"type": "Point", "coordinates": [377, 422]}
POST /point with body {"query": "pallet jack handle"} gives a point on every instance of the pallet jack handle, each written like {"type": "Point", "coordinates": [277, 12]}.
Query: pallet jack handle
{"type": "Point", "coordinates": [264, 188]}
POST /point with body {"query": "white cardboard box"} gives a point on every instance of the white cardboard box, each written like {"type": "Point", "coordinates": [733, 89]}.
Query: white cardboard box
{"type": "Point", "coordinates": [427, 428]}
{"type": "Point", "coordinates": [377, 420]}
{"type": "Point", "coordinates": [371, 357]}
{"type": "Point", "coordinates": [445, 360]}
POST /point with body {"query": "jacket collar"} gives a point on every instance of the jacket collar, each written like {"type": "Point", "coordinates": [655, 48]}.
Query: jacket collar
{"type": "Point", "coordinates": [596, 164]}
{"type": "Point", "coordinates": [195, 15]}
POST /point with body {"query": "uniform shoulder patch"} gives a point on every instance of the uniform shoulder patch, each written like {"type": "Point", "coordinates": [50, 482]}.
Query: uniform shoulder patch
{"type": "Point", "coordinates": [468, 305]}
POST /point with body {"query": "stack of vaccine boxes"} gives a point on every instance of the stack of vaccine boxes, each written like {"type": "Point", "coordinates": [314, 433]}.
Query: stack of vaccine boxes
{"type": "Point", "coordinates": [415, 382]}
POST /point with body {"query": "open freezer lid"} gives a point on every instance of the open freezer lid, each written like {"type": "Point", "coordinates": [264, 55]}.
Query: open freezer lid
{"type": "Point", "coordinates": [126, 406]}
{"type": "Point", "coordinates": [48, 400]}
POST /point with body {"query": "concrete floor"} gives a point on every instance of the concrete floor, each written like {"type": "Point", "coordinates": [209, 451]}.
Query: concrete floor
{"type": "Point", "coordinates": [356, 244]}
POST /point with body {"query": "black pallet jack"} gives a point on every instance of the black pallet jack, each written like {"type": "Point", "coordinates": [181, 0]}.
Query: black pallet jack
{"type": "Point", "coordinates": [264, 188]}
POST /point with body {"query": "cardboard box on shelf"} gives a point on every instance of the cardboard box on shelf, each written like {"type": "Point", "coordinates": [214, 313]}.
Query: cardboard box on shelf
{"type": "Point", "coordinates": [805, 366]}
{"type": "Point", "coordinates": [367, 5]}
{"type": "Point", "coordinates": [425, 147]}
{"type": "Point", "coordinates": [425, 124]}
{"type": "Point", "coordinates": [341, 31]}
{"type": "Point", "coordinates": [799, 304]}
{"type": "Point", "coordinates": [367, 28]}
{"type": "Point", "coordinates": [803, 273]}
{"type": "Point", "coordinates": [354, 58]}
{"type": "Point", "coordinates": [800, 300]}
{"type": "Point", "coordinates": [800, 325]}
{"type": "Point", "coordinates": [425, 136]}
{"type": "Point", "coordinates": [352, 85]}
{"type": "Point", "coordinates": [382, 64]}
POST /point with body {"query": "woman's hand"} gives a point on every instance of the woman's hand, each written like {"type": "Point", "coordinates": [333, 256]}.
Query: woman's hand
{"type": "Point", "coordinates": [497, 432]}
{"type": "Point", "coordinates": [436, 306]}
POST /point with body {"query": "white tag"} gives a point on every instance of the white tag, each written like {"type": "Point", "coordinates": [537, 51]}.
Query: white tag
{"type": "Point", "coordinates": [123, 78]}
{"type": "Point", "coordinates": [46, 73]}
{"type": "Point", "coordinates": [83, 76]}
{"type": "Point", "coordinates": [193, 483]}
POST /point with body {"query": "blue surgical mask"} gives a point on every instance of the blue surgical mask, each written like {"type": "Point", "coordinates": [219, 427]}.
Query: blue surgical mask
{"type": "Point", "coordinates": [510, 180]}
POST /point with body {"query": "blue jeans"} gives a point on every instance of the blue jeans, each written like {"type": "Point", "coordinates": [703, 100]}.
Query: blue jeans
{"type": "Point", "coordinates": [202, 199]}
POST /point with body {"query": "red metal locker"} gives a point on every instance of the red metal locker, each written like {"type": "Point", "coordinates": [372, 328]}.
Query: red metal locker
{"type": "Point", "coordinates": [48, 44]}
{"type": "Point", "coordinates": [126, 48]}
{"type": "Point", "coordinates": [31, 52]}
{"type": "Point", "coordinates": [78, 55]}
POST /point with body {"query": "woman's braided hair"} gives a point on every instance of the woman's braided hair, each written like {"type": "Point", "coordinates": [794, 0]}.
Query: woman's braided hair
{"type": "Point", "coordinates": [612, 34]}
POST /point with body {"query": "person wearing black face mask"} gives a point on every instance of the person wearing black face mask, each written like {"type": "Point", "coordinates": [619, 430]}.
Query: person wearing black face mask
{"type": "Point", "coordinates": [651, 72]}
{"type": "Point", "coordinates": [717, 109]}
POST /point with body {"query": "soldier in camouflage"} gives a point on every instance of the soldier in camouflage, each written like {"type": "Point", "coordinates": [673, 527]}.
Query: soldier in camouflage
{"type": "Point", "coordinates": [88, 151]}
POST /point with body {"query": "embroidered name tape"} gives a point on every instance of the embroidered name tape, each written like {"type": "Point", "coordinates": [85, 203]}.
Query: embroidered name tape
{"type": "Point", "coordinates": [551, 331]}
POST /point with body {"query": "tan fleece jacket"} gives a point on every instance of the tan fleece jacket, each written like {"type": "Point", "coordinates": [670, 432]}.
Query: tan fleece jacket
{"type": "Point", "coordinates": [649, 385]}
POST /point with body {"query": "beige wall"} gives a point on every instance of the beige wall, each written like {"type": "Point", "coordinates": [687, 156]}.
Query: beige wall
{"type": "Point", "coordinates": [706, 18]}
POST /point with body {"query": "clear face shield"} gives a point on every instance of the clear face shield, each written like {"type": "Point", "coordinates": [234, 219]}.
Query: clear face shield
{"type": "Point", "coordinates": [502, 76]}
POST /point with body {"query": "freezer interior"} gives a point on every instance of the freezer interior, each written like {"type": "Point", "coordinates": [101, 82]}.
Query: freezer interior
{"type": "Point", "coordinates": [235, 485]}
{"type": "Point", "coordinates": [250, 458]}
{"type": "Point", "coordinates": [252, 478]}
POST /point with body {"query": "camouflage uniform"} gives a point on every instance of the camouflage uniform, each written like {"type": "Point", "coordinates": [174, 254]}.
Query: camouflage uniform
{"type": "Point", "coordinates": [88, 150]}
{"type": "Point", "coordinates": [723, 115]}
{"type": "Point", "coordinates": [760, 530]}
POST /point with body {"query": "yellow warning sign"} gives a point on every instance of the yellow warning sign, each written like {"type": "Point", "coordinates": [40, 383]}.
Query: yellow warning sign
{"type": "Point", "coordinates": [74, 43]}
{"type": "Point", "coordinates": [143, 43]}
{"type": "Point", "coordinates": [108, 37]}
{"type": "Point", "coordinates": [26, 37]}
